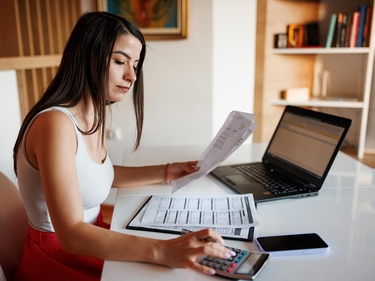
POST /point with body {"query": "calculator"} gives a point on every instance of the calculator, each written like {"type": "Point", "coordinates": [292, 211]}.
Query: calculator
{"type": "Point", "coordinates": [244, 265]}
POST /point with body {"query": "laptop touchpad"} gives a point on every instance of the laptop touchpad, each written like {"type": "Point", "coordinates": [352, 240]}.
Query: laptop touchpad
{"type": "Point", "coordinates": [239, 179]}
{"type": "Point", "coordinates": [244, 185]}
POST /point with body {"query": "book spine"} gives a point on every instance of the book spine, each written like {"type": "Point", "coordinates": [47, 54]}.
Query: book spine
{"type": "Point", "coordinates": [348, 30]}
{"type": "Point", "coordinates": [343, 30]}
{"type": "Point", "coordinates": [367, 28]}
{"type": "Point", "coordinates": [338, 29]}
{"type": "Point", "coordinates": [331, 31]}
{"type": "Point", "coordinates": [354, 30]}
{"type": "Point", "coordinates": [362, 18]}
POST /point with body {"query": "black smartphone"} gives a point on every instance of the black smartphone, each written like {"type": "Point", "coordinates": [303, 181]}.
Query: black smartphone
{"type": "Point", "coordinates": [292, 244]}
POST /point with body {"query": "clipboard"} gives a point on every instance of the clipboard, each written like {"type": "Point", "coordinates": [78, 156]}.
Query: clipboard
{"type": "Point", "coordinates": [243, 234]}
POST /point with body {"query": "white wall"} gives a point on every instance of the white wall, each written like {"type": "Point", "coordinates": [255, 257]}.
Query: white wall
{"type": "Point", "coordinates": [193, 84]}
{"type": "Point", "coordinates": [234, 35]}
{"type": "Point", "coordinates": [10, 123]}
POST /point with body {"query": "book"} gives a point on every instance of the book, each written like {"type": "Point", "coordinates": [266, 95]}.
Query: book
{"type": "Point", "coordinates": [338, 30]}
{"type": "Point", "coordinates": [361, 25]}
{"type": "Point", "coordinates": [367, 28]}
{"type": "Point", "coordinates": [354, 30]}
{"type": "Point", "coordinates": [331, 31]}
{"type": "Point", "coordinates": [348, 28]}
{"type": "Point", "coordinates": [311, 34]}
{"type": "Point", "coordinates": [343, 31]}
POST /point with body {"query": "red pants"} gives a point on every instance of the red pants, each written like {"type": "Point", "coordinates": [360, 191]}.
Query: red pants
{"type": "Point", "coordinates": [43, 259]}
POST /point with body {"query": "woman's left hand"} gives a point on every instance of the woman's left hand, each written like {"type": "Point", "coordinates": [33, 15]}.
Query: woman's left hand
{"type": "Point", "coordinates": [174, 171]}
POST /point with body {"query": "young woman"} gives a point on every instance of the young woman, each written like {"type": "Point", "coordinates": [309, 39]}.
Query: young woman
{"type": "Point", "coordinates": [64, 171]}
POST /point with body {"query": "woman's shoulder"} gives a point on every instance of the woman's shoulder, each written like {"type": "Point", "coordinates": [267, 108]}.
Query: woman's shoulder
{"type": "Point", "coordinates": [55, 111]}
{"type": "Point", "coordinates": [51, 133]}
{"type": "Point", "coordinates": [52, 120]}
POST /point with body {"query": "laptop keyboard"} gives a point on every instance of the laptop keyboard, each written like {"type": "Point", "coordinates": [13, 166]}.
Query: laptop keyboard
{"type": "Point", "coordinates": [275, 183]}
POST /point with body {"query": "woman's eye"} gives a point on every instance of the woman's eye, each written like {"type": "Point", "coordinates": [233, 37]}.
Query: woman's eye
{"type": "Point", "coordinates": [135, 68]}
{"type": "Point", "coordinates": [119, 62]}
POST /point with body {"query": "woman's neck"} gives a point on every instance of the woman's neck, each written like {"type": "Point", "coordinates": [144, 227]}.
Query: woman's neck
{"type": "Point", "coordinates": [84, 114]}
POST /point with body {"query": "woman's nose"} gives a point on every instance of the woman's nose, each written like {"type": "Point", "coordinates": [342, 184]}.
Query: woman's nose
{"type": "Point", "coordinates": [130, 75]}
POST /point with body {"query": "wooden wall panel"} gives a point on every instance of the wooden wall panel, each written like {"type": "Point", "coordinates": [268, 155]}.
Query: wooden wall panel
{"type": "Point", "coordinates": [275, 73]}
{"type": "Point", "coordinates": [37, 31]}
{"type": "Point", "coordinates": [8, 30]}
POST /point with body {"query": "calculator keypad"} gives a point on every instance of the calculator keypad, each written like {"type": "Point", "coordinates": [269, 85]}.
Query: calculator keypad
{"type": "Point", "coordinates": [228, 265]}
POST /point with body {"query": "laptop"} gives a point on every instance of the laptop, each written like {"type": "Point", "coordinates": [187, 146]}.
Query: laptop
{"type": "Point", "coordinates": [296, 161]}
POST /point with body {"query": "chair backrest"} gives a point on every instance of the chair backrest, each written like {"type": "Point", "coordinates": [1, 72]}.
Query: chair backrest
{"type": "Point", "coordinates": [2, 276]}
{"type": "Point", "coordinates": [13, 226]}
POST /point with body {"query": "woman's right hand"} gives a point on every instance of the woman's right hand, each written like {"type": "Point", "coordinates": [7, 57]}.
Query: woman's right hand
{"type": "Point", "coordinates": [184, 251]}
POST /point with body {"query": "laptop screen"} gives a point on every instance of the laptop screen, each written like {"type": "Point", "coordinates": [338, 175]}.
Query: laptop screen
{"type": "Point", "coordinates": [305, 142]}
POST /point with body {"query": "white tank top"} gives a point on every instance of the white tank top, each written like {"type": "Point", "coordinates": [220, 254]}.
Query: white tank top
{"type": "Point", "coordinates": [94, 179]}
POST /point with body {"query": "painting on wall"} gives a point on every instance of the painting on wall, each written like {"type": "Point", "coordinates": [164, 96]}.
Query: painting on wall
{"type": "Point", "coordinates": [157, 19]}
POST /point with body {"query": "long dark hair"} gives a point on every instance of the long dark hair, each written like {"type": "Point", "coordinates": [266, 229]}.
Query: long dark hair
{"type": "Point", "coordinates": [84, 68]}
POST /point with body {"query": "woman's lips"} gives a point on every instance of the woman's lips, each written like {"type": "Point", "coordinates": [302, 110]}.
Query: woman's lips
{"type": "Point", "coordinates": [123, 88]}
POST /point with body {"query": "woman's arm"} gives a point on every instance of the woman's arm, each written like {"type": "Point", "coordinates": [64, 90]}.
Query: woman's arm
{"type": "Point", "coordinates": [136, 176]}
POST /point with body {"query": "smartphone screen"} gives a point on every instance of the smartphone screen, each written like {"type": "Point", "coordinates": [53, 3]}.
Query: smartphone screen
{"type": "Point", "coordinates": [306, 243]}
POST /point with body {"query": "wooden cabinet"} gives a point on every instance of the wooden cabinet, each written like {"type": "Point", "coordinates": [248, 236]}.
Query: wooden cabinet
{"type": "Point", "coordinates": [349, 70]}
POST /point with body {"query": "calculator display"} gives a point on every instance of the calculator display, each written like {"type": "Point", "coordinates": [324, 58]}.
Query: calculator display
{"type": "Point", "coordinates": [248, 266]}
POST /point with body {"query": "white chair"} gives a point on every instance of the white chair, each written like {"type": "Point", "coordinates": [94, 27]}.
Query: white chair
{"type": "Point", "coordinates": [13, 227]}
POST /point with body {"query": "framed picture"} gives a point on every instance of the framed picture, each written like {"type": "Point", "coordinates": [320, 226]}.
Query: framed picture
{"type": "Point", "coordinates": [157, 19]}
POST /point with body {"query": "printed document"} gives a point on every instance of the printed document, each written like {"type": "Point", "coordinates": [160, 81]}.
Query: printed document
{"type": "Point", "coordinates": [244, 234]}
{"type": "Point", "coordinates": [236, 129]}
{"type": "Point", "coordinates": [223, 211]}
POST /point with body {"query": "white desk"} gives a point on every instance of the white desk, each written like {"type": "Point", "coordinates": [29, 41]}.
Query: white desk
{"type": "Point", "coordinates": [343, 214]}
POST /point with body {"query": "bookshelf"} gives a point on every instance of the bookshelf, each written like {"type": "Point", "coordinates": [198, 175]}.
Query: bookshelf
{"type": "Point", "coordinates": [320, 103]}
{"type": "Point", "coordinates": [350, 70]}
{"type": "Point", "coordinates": [317, 51]}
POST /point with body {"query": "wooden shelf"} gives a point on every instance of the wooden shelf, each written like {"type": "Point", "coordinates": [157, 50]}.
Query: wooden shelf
{"type": "Point", "coordinates": [320, 103]}
{"type": "Point", "coordinates": [29, 62]}
{"type": "Point", "coordinates": [317, 51]}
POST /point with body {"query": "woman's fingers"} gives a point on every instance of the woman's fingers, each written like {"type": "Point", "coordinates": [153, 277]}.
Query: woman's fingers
{"type": "Point", "coordinates": [208, 235]}
{"type": "Point", "coordinates": [180, 169]}
{"type": "Point", "coordinates": [187, 250]}
{"type": "Point", "coordinates": [203, 269]}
